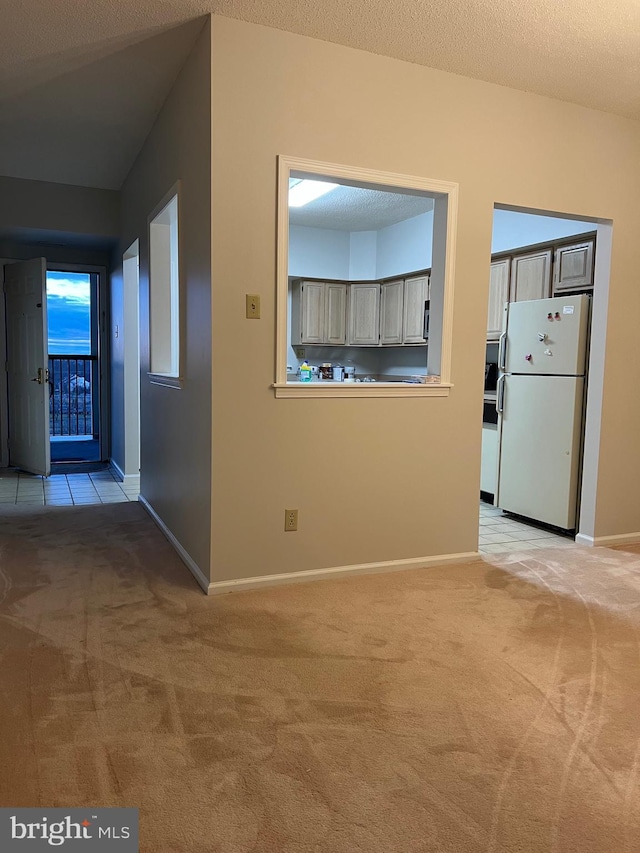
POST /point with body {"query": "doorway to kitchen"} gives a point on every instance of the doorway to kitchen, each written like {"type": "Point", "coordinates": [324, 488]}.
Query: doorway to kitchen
{"type": "Point", "coordinates": [545, 332]}
{"type": "Point", "coordinates": [75, 368]}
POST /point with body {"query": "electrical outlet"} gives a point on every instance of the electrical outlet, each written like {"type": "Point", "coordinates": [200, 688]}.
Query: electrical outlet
{"type": "Point", "coordinates": [253, 306]}
{"type": "Point", "coordinates": [290, 519]}
{"type": "Point", "coordinates": [299, 351]}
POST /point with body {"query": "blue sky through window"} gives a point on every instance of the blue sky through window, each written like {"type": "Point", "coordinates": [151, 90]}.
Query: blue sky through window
{"type": "Point", "coordinates": [69, 313]}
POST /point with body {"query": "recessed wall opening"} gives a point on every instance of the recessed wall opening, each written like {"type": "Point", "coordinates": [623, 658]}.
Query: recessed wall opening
{"type": "Point", "coordinates": [365, 281]}
{"type": "Point", "coordinates": [545, 326]}
{"type": "Point", "coordinates": [127, 347]}
{"type": "Point", "coordinates": [164, 290]}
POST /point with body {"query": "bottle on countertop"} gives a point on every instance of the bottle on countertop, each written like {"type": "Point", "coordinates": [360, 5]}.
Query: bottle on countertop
{"type": "Point", "coordinates": [305, 372]}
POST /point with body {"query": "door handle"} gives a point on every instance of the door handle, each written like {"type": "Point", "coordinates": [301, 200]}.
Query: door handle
{"type": "Point", "coordinates": [500, 395]}
{"type": "Point", "coordinates": [42, 377]}
{"type": "Point", "coordinates": [502, 351]}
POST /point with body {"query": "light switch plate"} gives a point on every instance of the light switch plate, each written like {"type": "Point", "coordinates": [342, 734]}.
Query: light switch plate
{"type": "Point", "coordinates": [253, 306]}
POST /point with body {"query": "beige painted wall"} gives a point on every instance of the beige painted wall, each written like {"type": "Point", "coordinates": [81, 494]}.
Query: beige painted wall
{"type": "Point", "coordinates": [57, 207]}
{"type": "Point", "coordinates": [176, 423]}
{"type": "Point", "coordinates": [378, 479]}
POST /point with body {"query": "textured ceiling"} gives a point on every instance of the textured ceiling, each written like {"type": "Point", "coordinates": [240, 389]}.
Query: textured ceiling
{"type": "Point", "coordinates": [585, 51]}
{"type": "Point", "coordinates": [80, 83]}
{"type": "Point", "coordinates": [354, 209]}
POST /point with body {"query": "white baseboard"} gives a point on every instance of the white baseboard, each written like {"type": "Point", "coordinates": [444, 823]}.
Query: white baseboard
{"type": "Point", "coordinates": [184, 556]}
{"type": "Point", "coordinates": [120, 473]}
{"type": "Point", "coordinates": [604, 541]}
{"type": "Point", "coordinates": [218, 587]}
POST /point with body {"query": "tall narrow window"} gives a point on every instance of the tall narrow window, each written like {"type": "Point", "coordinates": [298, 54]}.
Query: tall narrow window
{"type": "Point", "coordinates": [164, 288]}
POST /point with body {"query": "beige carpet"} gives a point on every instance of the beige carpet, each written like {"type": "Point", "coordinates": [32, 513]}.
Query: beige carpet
{"type": "Point", "coordinates": [456, 709]}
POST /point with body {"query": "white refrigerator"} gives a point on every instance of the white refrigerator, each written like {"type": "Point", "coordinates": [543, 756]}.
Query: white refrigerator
{"type": "Point", "coordinates": [541, 392]}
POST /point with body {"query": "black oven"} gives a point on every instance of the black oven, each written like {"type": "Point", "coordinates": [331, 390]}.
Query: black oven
{"type": "Point", "coordinates": [489, 412]}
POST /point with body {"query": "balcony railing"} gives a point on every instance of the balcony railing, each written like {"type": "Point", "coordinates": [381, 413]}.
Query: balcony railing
{"type": "Point", "coordinates": [72, 380]}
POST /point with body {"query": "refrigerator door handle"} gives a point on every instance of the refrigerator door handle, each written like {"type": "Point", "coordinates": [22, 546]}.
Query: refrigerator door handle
{"type": "Point", "coordinates": [500, 395]}
{"type": "Point", "coordinates": [502, 351]}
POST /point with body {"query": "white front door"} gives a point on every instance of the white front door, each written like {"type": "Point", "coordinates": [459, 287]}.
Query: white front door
{"type": "Point", "coordinates": [27, 370]}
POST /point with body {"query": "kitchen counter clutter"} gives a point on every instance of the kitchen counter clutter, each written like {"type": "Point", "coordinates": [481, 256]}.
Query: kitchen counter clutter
{"type": "Point", "coordinates": [317, 378]}
{"type": "Point", "coordinates": [384, 364]}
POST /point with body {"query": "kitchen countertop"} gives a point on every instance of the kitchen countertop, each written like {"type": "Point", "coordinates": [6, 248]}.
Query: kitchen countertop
{"type": "Point", "coordinates": [294, 378]}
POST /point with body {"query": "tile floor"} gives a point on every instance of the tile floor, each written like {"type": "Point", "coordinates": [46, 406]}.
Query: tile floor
{"type": "Point", "coordinates": [499, 534]}
{"type": "Point", "coordinates": [17, 487]}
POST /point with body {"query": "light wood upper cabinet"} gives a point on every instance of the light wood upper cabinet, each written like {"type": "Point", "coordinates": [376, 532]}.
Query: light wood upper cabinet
{"type": "Point", "coordinates": [531, 276]}
{"type": "Point", "coordinates": [498, 295]}
{"type": "Point", "coordinates": [573, 267]}
{"type": "Point", "coordinates": [416, 293]}
{"type": "Point", "coordinates": [318, 313]}
{"type": "Point", "coordinates": [391, 312]}
{"type": "Point", "coordinates": [335, 313]}
{"type": "Point", "coordinates": [364, 314]}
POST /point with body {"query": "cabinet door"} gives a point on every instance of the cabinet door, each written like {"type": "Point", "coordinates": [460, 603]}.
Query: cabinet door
{"type": "Point", "coordinates": [573, 267]}
{"type": "Point", "coordinates": [416, 293]}
{"type": "Point", "coordinates": [364, 314]}
{"type": "Point", "coordinates": [531, 276]}
{"type": "Point", "coordinates": [312, 312]}
{"type": "Point", "coordinates": [335, 313]}
{"type": "Point", "coordinates": [391, 301]}
{"type": "Point", "coordinates": [498, 295]}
